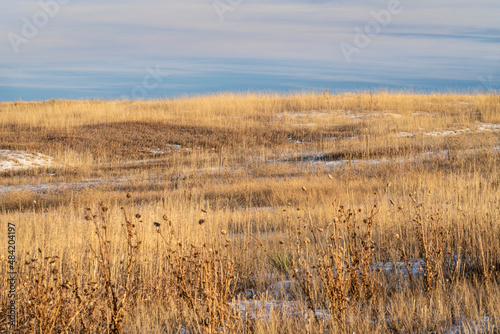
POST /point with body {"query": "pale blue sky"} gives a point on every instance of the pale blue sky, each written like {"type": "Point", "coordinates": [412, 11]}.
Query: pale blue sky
{"type": "Point", "coordinates": [154, 49]}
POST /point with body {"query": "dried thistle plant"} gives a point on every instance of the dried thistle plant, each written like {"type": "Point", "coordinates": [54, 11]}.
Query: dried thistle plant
{"type": "Point", "coordinates": [117, 289]}
{"type": "Point", "coordinates": [204, 278]}
{"type": "Point", "coordinates": [341, 258]}
{"type": "Point", "coordinates": [54, 302]}
{"type": "Point", "coordinates": [432, 240]}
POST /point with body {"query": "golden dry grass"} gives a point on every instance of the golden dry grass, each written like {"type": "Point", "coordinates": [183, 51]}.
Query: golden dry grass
{"type": "Point", "coordinates": [284, 188]}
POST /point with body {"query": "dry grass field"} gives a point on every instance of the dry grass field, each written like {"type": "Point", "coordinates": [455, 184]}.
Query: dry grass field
{"type": "Point", "coordinates": [253, 213]}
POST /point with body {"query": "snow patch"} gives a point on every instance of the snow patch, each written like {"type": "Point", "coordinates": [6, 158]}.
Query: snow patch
{"type": "Point", "coordinates": [260, 309]}
{"type": "Point", "coordinates": [168, 148]}
{"type": "Point", "coordinates": [17, 160]}
{"type": "Point", "coordinates": [483, 325]}
{"type": "Point", "coordinates": [305, 113]}
{"type": "Point", "coordinates": [321, 158]}
{"type": "Point", "coordinates": [360, 114]}
{"type": "Point", "coordinates": [416, 267]}
{"type": "Point", "coordinates": [338, 113]}
{"type": "Point", "coordinates": [481, 127]}
{"type": "Point", "coordinates": [43, 188]}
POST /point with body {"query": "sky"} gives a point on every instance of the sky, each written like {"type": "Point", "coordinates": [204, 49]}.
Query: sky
{"type": "Point", "coordinates": [150, 49]}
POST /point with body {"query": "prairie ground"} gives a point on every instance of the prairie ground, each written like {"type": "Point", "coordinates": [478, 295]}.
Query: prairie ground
{"type": "Point", "coordinates": [255, 213]}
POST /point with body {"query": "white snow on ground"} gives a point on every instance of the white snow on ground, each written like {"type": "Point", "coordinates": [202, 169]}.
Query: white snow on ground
{"type": "Point", "coordinates": [416, 267]}
{"type": "Point", "coordinates": [305, 113]}
{"type": "Point", "coordinates": [484, 325]}
{"type": "Point", "coordinates": [177, 147]}
{"type": "Point", "coordinates": [264, 309]}
{"type": "Point", "coordinates": [359, 114]}
{"type": "Point", "coordinates": [319, 159]}
{"type": "Point", "coordinates": [344, 138]}
{"type": "Point", "coordinates": [169, 148]}
{"type": "Point", "coordinates": [337, 113]}
{"type": "Point", "coordinates": [155, 151]}
{"type": "Point", "coordinates": [260, 309]}
{"type": "Point", "coordinates": [43, 188]}
{"type": "Point", "coordinates": [298, 142]}
{"type": "Point", "coordinates": [14, 160]}
{"type": "Point", "coordinates": [279, 302]}
{"type": "Point", "coordinates": [316, 160]}
{"type": "Point", "coordinates": [481, 127]}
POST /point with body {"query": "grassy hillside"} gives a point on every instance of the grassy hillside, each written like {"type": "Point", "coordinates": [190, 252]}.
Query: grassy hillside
{"type": "Point", "coordinates": [254, 213]}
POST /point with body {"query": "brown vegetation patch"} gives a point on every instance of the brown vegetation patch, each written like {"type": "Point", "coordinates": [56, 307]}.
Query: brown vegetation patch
{"type": "Point", "coordinates": [139, 139]}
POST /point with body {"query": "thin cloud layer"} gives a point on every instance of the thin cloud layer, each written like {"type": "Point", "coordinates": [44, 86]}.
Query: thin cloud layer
{"type": "Point", "coordinates": [102, 49]}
